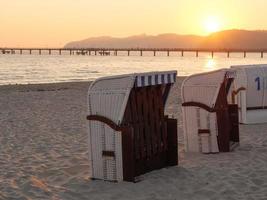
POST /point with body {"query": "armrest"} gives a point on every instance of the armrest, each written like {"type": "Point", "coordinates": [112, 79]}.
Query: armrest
{"type": "Point", "coordinates": [203, 131]}
{"type": "Point", "coordinates": [200, 105]}
{"type": "Point", "coordinates": [235, 92]}
{"type": "Point", "coordinates": [106, 121]}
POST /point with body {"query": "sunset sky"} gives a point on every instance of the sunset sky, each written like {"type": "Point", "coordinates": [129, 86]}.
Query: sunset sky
{"type": "Point", "coordinates": [52, 23]}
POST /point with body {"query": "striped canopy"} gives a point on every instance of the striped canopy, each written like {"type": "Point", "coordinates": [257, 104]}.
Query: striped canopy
{"type": "Point", "coordinates": [155, 78]}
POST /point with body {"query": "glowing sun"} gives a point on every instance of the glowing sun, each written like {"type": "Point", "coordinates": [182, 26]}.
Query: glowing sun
{"type": "Point", "coordinates": [212, 24]}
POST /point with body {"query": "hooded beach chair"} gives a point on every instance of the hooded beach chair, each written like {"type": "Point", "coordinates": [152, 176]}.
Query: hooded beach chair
{"type": "Point", "coordinates": [250, 93]}
{"type": "Point", "coordinates": [210, 124]}
{"type": "Point", "coordinates": [129, 134]}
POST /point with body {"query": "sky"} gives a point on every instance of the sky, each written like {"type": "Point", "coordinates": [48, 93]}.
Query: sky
{"type": "Point", "coordinates": [53, 23]}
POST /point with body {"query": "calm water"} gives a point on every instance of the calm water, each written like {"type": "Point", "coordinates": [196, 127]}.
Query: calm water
{"type": "Point", "coordinates": [24, 69]}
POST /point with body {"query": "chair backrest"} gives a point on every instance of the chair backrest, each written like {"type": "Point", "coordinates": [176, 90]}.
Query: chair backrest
{"type": "Point", "coordinates": [250, 92]}
{"type": "Point", "coordinates": [254, 79]}
{"type": "Point", "coordinates": [108, 96]}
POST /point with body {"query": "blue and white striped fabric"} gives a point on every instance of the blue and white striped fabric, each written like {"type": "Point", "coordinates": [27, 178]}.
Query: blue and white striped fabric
{"type": "Point", "coordinates": [148, 79]}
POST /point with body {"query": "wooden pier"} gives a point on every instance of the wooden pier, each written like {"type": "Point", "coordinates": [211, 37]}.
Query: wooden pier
{"type": "Point", "coordinates": [127, 51]}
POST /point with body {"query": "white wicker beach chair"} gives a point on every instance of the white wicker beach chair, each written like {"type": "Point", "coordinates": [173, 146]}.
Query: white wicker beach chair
{"type": "Point", "coordinates": [128, 133]}
{"type": "Point", "coordinates": [250, 93]}
{"type": "Point", "coordinates": [210, 125]}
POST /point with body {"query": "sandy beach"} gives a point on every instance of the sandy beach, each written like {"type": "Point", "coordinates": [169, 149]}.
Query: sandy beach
{"type": "Point", "coordinates": [44, 154]}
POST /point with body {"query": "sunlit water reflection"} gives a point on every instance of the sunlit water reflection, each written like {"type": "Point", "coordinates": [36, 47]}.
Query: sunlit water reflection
{"type": "Point", "coordinates": [23, 69]}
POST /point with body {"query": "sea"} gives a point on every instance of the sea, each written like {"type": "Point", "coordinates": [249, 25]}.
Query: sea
{"type": "Point", "coordinates": [34, 68]}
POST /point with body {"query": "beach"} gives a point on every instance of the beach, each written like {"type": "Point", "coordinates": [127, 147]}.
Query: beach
{"type": "Point", "coordinates": [44, 153]}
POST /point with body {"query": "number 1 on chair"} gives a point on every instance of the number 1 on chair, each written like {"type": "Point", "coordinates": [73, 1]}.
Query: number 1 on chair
{"type": "Point", "coordinates": [257, 80]}
{"type": "Point", "coordinates": [261, 84]}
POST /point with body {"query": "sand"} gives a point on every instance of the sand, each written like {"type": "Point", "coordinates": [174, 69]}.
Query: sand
{"type": "Point", "coordinates": [43, 154]}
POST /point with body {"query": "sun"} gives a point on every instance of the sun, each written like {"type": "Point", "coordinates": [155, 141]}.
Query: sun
{"type": "Point", "coordinates": [212, 24]}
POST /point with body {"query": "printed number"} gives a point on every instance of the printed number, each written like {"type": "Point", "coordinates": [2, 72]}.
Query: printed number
{"type": "Point", "coordinates": [257, 80]}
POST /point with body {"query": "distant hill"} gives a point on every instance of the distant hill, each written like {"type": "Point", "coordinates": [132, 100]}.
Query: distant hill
{"type": "Point", "coordinates": [229, 39]}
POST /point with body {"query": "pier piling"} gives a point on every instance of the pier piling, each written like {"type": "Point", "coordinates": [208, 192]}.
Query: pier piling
{"type": "Point", "coordinates": [128, 51]}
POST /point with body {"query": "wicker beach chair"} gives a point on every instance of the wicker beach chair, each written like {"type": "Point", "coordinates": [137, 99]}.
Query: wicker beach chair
{"type": "Point", "coordinates": [210, 124]}
{"type": "Point", "coordinates": [128, 132]}
{"type": "Point", "coordinates": [250, 93]}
